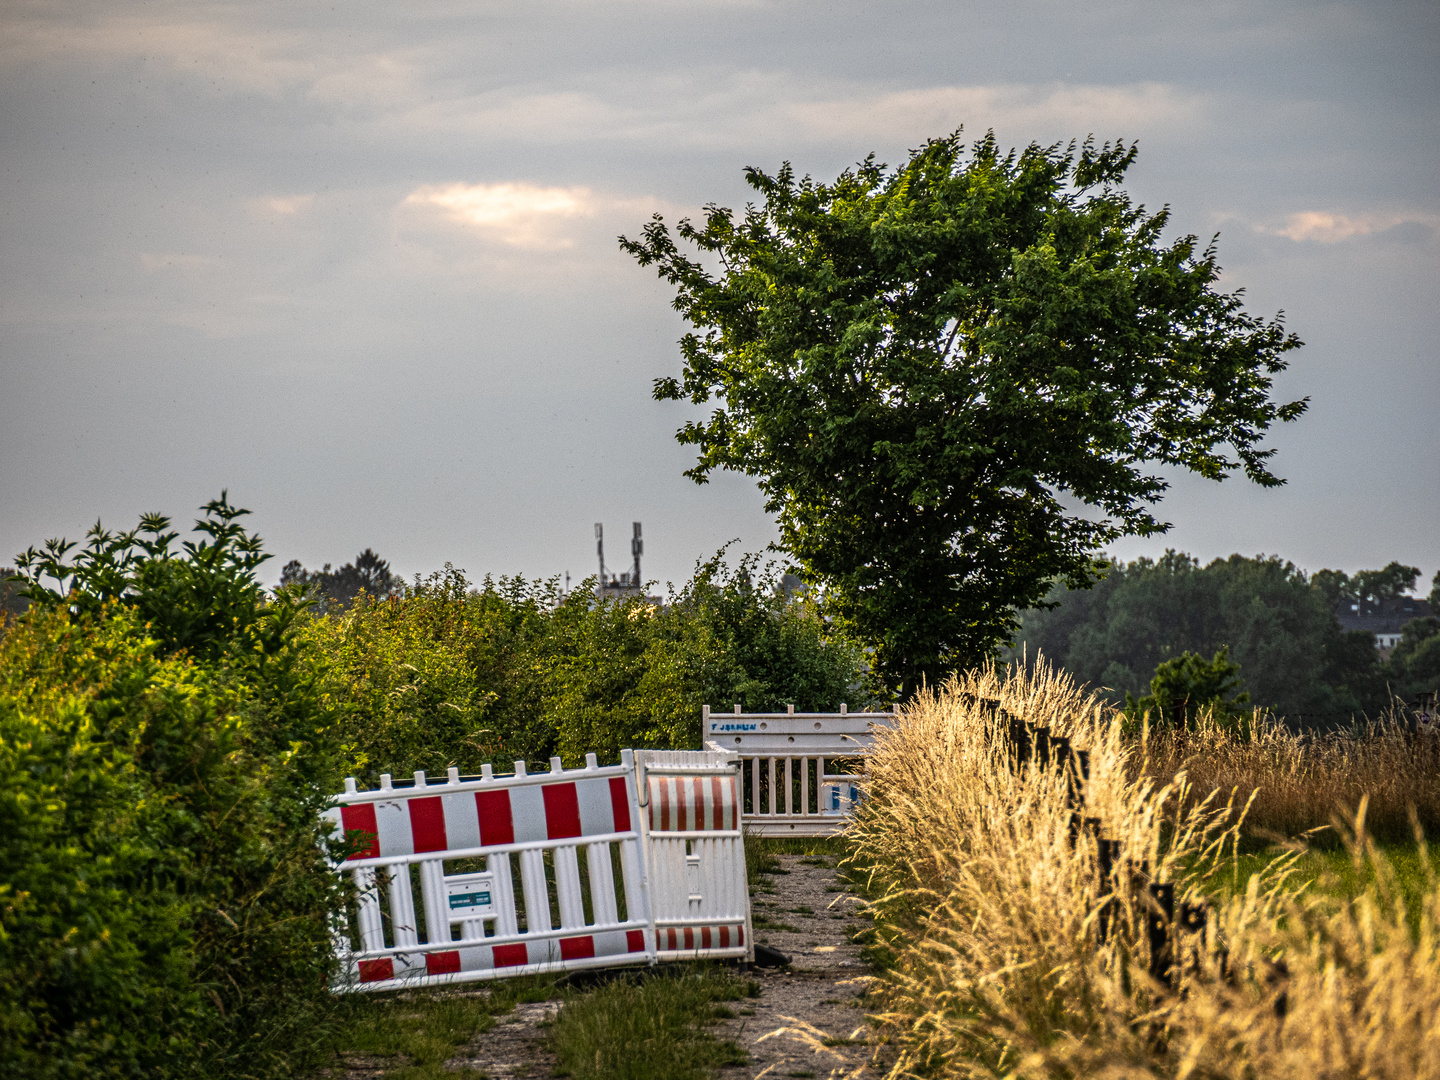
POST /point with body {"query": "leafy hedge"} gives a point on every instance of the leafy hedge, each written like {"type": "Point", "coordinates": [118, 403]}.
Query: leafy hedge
{"type": "Point", "coordinates": [165, 906]}
{"type": "Point", "coordinates": [448, 675]}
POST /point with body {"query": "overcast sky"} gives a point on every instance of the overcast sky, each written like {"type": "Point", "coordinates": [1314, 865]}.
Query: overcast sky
{"type": "Point", "coordinates": [357, 264]}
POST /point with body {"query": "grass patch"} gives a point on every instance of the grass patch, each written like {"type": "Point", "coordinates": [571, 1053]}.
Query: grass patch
{"type": "Point", "coordinates": [412, 1034]}
{"type": "Point", "coordinates": [762, 923]}
{"type": "Point", "coordinates": [1334, 873]}
{"type": "Point", "coordinates": [761, 854]}
{"type": "Point", "coordinates": [650, 1026]}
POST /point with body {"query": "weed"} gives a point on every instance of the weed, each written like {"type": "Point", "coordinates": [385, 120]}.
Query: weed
{"type": "Point", "coordinates": [762, 923]}
{"type": "Point", "coordinates": [416, 1032]}
{"type": "Point", "coordinates": [985, 913]}
{"type": "Point", "coordinates": [650, 1026]}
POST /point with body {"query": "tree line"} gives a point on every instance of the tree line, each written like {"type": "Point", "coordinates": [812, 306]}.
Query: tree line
{"type": "Point", "coordinates": [1278, 627]}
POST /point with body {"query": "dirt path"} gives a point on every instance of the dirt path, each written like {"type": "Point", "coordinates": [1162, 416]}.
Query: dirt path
{"type": "Point", "coordinates": [811, 918]}
{"type": "Point", "coordinates": [513, 1049]}
{"type": "Point", "coordinates": [802, 910]}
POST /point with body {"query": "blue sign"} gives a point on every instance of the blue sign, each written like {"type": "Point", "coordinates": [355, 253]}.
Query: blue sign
{"type": "Point", "coordinates": [470, 900]}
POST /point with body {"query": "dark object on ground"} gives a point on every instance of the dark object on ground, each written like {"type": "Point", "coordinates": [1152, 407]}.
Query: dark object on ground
{"type": "Point", "coordinates": [768, 957]}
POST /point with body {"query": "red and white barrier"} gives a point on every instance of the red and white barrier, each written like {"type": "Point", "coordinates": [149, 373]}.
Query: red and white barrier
{"type": "Point", "coordinates": [461, 842]}
{"type": "Point", "coordinates": [670, 823]}
{"type": "Point", "coordinates": [695, 854]}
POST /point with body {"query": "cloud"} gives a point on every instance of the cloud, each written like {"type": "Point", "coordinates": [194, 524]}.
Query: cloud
{"type": "Point", "coordinates": [715, 108]}
{"type": "Point", "coordinates": [1110, 111]}
{"type": "Point", "coordinates": [521, 215]}
{"type": "Point", "coordinates": [1324, 227]}
{"type": "Point", "coordinates": [285, 205]}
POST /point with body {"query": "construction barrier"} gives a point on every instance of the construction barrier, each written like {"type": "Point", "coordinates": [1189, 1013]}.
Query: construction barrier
{"type": "Point", "coordinates": [695, 854]}
{"type": "Point", "coordinates": [463, 843]}
{"type": "Point", "coordinates": [785, 789]}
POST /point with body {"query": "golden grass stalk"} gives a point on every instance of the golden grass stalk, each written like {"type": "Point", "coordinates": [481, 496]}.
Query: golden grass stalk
{"type": "Point", "coordinates": [991, 914]}
{"type": "Point", "coordinates": [1299, 779]}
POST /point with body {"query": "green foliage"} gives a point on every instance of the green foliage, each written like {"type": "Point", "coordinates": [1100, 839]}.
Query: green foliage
{"type": "Point", "coordinates": [166, 905]}
{"type": "Point", "coordinates": [1367, 586]}
{"type": "Point", "coordinates": [1415, 662]}
{"type": "Point", "coordinates": [202, 598]}
{"type": "Point", "coordinates": [338, 588]}
{"type": "Point", "coordinates": [446, 676]}
{"type": "Point", "coordinates": [925, 367]}
{"type": "Point", "coordinates": [636, 675]}
{"type": "Point", "coordinates": [650, 1027]}
{"type": "Point", "coordinates": [1187, 685]}
{"type": "Point", "coordinates": [1275, 623]}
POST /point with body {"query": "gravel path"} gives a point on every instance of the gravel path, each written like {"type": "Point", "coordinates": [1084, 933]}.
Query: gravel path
{"type": "Point", "coordinates": [802, 910]}
{"type": "Point", "coordinates": [805, 913]}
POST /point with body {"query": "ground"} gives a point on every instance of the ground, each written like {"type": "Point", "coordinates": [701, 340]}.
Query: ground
{"type": "Point", "coordinates": [806, 1021]}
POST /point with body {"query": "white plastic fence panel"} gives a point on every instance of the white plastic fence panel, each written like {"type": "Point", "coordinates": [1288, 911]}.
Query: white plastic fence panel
{"type": "Point", "coordinates": [696, 855]}
{"type": "Point", "coordinates": [472, 923]}
{"type": "Point", "coordinates": [785, 788]}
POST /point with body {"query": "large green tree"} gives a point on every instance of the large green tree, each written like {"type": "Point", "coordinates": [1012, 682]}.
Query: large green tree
{"type": "Point", "coordinates": [954, 380]}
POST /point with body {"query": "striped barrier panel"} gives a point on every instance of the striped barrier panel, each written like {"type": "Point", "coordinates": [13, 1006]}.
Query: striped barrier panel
{"type": "Point", "coordinates": [462, 843]}
{"type": "Point", "coordinates": [695, 854]}
{"type": "Point", "coordinates": [785, 789]}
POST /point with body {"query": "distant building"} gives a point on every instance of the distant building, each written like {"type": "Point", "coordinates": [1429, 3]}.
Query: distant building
{"type": "Point", "coordinates": [1383, 618]}
{"type": "Point", "coordinates": [629, 585]}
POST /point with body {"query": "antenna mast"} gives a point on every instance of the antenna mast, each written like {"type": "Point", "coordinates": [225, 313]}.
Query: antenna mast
{"type": "Point", "coordinates": [600, 551]}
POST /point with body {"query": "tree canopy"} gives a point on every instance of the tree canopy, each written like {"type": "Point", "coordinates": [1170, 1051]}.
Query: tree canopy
{"type": "Point", "coordinates": [953, 381]}
{"type": "Point", "coordinates": [1277, 623]}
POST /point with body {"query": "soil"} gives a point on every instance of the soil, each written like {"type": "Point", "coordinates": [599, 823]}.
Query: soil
{"type": "Point", "coordinates": [812, 919]}
{"type": "Point", "coordinates": [801, 910]}
{"type": "Point", "coordinates": [514, 1047]}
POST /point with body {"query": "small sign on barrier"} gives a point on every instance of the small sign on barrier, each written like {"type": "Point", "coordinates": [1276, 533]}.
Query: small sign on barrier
{"type": "Point", "coordinates": [471, 896]}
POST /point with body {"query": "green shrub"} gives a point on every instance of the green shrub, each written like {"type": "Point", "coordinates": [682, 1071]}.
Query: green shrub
{"type": "Point", "coordinates": [1188, 685]}
{"type": "Point", "coordinates": [449, 676]}
{"type": "Point", "coordinates": [166, 905]}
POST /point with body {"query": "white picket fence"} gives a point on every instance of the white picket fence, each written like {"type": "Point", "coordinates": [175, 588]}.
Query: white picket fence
{"type": "Point", "coordinates": [670, 819]}
{"type": "Point", "coordinates": [785, 788]}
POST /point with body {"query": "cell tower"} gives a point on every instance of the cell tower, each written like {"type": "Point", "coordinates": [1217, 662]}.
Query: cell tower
{"type": "Point", "coordinates": [628, 583]}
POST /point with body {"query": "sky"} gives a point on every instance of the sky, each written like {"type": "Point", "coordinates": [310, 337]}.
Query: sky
{"type": "Point", "coordinates": [357, 264]}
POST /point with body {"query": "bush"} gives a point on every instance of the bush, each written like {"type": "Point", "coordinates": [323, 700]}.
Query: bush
{"type": "Point", "coordinates": [448, 676]}
{"type": "Point", "coordinates": [1188, 684]}
{"type": "Point", "coordinates": [166, 909]}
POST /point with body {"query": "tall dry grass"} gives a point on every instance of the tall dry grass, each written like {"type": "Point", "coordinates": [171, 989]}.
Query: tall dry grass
{"type": "Point", "coordinates": [1301, 780]}
{"type": "Point", "coordinates": [992, 916]}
